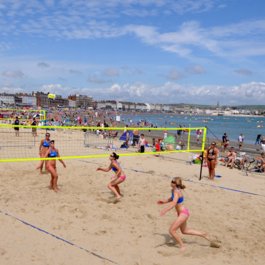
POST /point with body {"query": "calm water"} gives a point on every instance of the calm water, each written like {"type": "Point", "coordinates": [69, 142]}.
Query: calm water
{"type": "Point", "coordinates": [217, 125]}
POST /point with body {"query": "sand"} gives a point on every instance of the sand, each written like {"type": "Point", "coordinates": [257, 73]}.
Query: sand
{"type": "Point", "coordinates": [130, 232]}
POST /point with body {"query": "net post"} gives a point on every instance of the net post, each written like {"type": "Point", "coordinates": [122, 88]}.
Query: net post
{"type": "Point", "coordinates": [203, 146]}
{"type": "Point", "coordinates": [188, 140]}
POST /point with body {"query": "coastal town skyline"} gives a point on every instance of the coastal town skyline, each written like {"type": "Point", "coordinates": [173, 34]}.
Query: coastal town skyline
{"type": "Point", "coordinates": [39, 99]}
{"type": "Point", "coordinates": [143, 51]}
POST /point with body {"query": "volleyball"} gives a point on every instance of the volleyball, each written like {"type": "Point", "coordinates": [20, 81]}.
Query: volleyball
{"type": "Point", "coordinates": [51, 96]}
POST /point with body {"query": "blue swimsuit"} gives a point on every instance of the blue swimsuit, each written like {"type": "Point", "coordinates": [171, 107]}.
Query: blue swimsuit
{"type": "Point", "coordinates": [114, 168]}
{"type": "Point", "coordinates": [180, 199]}
{"type": "Point", "coordinates": [46, 144]}
{"type": "Point", "coordinates": [53, 153]}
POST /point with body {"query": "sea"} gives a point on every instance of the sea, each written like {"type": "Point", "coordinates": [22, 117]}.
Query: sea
{"type": "Point", "coordinates": [233, 126]}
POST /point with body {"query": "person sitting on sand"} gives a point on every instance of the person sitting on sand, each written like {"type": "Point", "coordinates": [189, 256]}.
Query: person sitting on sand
{"type": "Point", "coordinates": [53, 152]}
{"type": "Point", "coordinates": [176, 200]}
{"type": "Point", "coordinates": [261, 162]}
{"type": "Point", "coordinates": [119, 176]}
{"type": "Point", "coordinates": [230, 158]}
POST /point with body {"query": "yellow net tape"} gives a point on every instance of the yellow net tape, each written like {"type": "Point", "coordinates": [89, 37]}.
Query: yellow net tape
{"type": "Point", "coordinates": [22, 143]}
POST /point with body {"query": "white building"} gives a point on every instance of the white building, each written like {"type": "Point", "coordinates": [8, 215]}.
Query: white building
{"type": "Point", "coordinates": [119, 106]}
{"type": "Point", "coordinates": [107, 104]}
{"type": "Point", "coordinates": [29, 100]}
{"type": "Point", "coordinates": [72, 103]}
{"type": "Point", "coordinates": [140, 106]}
{"type": "Point", "coordinates": [7, 99]}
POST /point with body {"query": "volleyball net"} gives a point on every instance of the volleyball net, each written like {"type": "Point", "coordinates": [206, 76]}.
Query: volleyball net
{"type": "Point", "coordinates": [24, 115]}
{"type": "Point", "coordinates": [22, 142]}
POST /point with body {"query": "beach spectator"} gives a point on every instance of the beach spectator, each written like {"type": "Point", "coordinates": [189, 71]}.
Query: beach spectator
{"type": "Point", "coordinates": [142, 143]}
{"type": "Point", "coordinates": [179, 132]}
{"type": "Point", "coordinates": [240, 141]}
{"type": "Point", "coordinates": [135, 137]}
{"type": "Point", "coordinates": [158, 145]}
{"type": "Point", "coordinates": [198, 135]}
{"type": "Point", "coordinates": [165, 134]}
{"type": "Point", "coordinates": [212, 155]}
{"type": "Point", "coordinates": [153, 142]}
{"type": "Point", "coordinates": [225, 141]}
{"type": "Point", "coordinates": [262, 143]}
{"type": "Point", "coordinates": [34, 130]}
{"type": "Point", "coordinates": [16, 122]}
{"type": "Point", "coordinates": [230, 158]}
{"type": "Point", "coordinates": [258, 139]}
{"type": "Point", "coordinates": [261, 162]}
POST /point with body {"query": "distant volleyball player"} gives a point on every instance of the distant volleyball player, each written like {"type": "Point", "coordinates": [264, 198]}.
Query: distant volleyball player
{"type": "Point", "coordinates": [176, 201]}
{"type": "Point", "coordinates": [119, 176]}
{"type": "Point", "coordinates": [53, 152]}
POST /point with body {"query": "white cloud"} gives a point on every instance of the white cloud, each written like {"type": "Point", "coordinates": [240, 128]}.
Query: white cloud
{"type": "Point", "coordinates": [196, 69]}
{"type": "Point", "coordinates": [174, 75]}
{"type": "Point", "coordinates": [97, 79]}
{"type": "Point", "coordinates": [243, 72]}
{"type": "Point", "coordinates": [13, 74]}
{"type": "Point", "coordinates": [111, 72]}
{"type": "Point", "coordinates": [43, 65]}
{"type": "Point", "coordinates": [169, 92]}
{"type": "Point", "coordinates": [81, 19]}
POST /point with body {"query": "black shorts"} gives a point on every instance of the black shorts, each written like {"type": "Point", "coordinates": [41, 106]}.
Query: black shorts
{"type": "Point", "coordinates": [142, 149]}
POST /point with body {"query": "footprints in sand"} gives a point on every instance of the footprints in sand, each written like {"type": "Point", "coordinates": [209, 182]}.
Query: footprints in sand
{"type": "Point", "coordinates": [101, 232]}
{"type": "Point", "coordinates": [2, 252]}
{"type": "Point", "coordinates": [77, 212]}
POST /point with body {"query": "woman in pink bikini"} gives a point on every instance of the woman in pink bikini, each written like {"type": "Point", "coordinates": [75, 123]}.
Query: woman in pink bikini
{"type": "Point", "coordinates": [176, 200]}
{"type": "Point", "coordinates": [119, 176]}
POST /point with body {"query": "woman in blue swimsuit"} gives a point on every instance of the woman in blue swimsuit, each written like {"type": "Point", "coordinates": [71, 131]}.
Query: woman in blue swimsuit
{"type": "Point", "coordinates": [176, 200]}
{"type": "Point", "coordinates": [53, 152]}
{"type": "Point", "coordinates": [119, 176]}
{"type": "Point", "coordinates": [44, 146]}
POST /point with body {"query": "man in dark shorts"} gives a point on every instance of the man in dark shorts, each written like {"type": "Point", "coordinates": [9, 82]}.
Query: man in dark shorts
{"type": "Point", "coordinates": [225, 141]}
{"type": "Point", "coordinates": [34, 130]}
{"type": "Point", "coordinates": [16, 122]}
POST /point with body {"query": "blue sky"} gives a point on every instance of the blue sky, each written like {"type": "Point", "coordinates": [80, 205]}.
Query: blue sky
{"type": "Point", "coordinates": [163, 51]}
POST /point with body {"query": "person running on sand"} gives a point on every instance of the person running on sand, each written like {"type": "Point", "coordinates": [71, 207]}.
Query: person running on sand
{"type": "Point", "coordinates": [176, 200]}
{"type": "Point", "coordinates": [119, 176]}
{"type": "Point", "coordinates": [53, 152]}
{"type": "Point", "coordinates": [44, 146]}
{"type": "Point", "coordinates": [212, 155]}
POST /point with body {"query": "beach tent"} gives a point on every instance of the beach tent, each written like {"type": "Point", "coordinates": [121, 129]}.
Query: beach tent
{"type": "Point", "coordinates": [123, 136]}
{"type": "Point", "coordinates": [170, 140]}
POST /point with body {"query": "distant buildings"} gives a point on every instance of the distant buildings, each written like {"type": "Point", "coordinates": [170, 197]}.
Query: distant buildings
{"type": "Point", "coordinates": [80, 101]}
{"type": "Point", "coordinates": [41, 100]}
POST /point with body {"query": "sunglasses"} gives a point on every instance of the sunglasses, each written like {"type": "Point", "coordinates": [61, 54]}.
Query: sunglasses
{"type": "Point", "coordinates": [173, 182]}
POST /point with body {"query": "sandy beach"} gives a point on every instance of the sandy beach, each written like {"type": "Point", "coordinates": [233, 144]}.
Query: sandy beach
{"type": "Point", "coordinates": [35, 221]}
